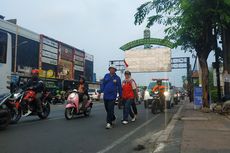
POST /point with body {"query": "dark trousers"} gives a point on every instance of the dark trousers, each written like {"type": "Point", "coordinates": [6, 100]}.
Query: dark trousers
{"type": "Point", "coordinates": [38, 101]}
{"type": "Point", "coordinates": [109, 107]}
{"type": "Point", "coordinates": [134, 107]}
{"type": "Point", "coordinates": [127, 109]}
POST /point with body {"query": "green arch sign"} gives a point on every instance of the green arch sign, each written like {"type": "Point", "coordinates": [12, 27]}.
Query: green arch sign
{"type": "Point", "coordinates": [140, 42]}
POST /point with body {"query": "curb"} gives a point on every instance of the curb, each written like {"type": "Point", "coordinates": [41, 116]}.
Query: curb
{"type": "Point", "coordinates": [160, 142]}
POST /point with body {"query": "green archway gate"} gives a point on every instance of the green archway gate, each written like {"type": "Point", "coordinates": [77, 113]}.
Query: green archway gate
{"type": "Point", "coordinates": [176, 63]}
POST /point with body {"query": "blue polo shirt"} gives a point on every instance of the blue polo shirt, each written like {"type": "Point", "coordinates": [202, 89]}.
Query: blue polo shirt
{"type": "Point", "coordinates": [111, 85]}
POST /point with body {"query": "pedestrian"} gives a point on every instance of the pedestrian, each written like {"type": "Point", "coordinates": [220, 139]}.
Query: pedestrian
{"type": "Point", "coordinates": [111, 86]}
{"type": "Point", "coordinates": [129, 95]}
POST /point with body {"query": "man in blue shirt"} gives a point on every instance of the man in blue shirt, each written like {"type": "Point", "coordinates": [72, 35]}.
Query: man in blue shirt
{"type": "Point", "coordinates": [111, 85]}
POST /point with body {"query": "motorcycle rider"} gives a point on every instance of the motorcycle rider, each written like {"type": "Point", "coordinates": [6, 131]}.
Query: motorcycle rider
{"type": "Point", "coordinates": [159, 87]}
{"type": "Point", "coordinates": [36, 85]}
{"type": "Point", "coordinates": [82, 88]}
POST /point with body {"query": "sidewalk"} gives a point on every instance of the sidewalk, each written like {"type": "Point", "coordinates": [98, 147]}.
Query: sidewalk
{"type": "Point", "coordinates": [208, 132]}
{"type": "Point", "coordinates": [198, 132]}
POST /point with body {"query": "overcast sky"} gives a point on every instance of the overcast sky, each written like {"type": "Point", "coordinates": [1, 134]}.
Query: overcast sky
{"type": "Point", "coordinates": [99, 27]}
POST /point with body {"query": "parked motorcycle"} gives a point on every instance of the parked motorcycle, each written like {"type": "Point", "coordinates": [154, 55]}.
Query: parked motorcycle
{"type": "Point", "coordinates": [60, 97]}
{"type": "Point", "coordinates": [74, 107]}
{"type": "Point", "coordinates": [4, 111]}
{"type": "Point", "coordinates": [23, 101]}
{"type": "Point", "coordinates": [157, 103]}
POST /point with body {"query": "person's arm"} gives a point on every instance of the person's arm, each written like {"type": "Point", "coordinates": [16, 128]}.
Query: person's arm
{"type": "Point", "coordinates": [119, 87]}
{"type": "Point", "coordinates": [102, 85]}
{"type": "Point", "coordinates": [39, 85]}
{"type": "Point", "coordinates": [155, 88]}
{"type": "Point", "coordinates": [134, 87]}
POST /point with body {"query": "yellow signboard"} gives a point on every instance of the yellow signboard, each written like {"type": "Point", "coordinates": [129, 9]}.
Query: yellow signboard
{"type": "Point", "coordinates": [46, 74]}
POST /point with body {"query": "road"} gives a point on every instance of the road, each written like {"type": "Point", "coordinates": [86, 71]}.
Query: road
{"type": "Point", "coordinates": [80, 135]}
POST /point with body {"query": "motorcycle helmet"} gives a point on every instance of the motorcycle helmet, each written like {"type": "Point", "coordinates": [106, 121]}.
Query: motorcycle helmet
{"type": "Point", "coordinates": [34, 72]}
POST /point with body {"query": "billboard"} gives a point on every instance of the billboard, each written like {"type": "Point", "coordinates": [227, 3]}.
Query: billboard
{"type": "Point", "coordinates": [65, 69]}
{"type": "Point", "coordinates": [66, 53]}
{"type": "Point", "coordinates": [48, 51]}
{"type": "Point", "coordinates": [79, 58]}
{"type": "Point", "coordinates": [148, 60]}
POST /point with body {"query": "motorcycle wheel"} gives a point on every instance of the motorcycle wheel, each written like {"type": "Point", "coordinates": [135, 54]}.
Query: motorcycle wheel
{"type": "Point", "coordinates": [154, 107]}
{"type": "Point", "coordinates": [162, 107]}
{"type": "Point", "coordinates": [146, 105]}
{"type": "Point", "coordinates": [4, 119]}
{"type": "Point", "coordinates": [168, 103]}
{"type": "Point", "coordinates": [15, 115]}
{"type": "Point", "coordinates": [88, 111]}
{"type": "Point", "coordinates": [45, 111]}
{"type": "Point", "coordinates": [69, 113]}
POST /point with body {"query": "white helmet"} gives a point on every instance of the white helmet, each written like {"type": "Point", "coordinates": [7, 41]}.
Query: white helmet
{"type": "Point", "coordinates": [112, 66]}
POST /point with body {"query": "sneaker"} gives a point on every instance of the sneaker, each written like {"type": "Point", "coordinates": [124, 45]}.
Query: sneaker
{"type": "Point", "coordinates": [135, 116]}
{"type": "Point", "coordinates": [28, 113]}
{"type": "Point", "coordinates": [125, 122]}
{"type": "Point", "coordinates": [133, 119]}
{"type": "Point", "coordinates": [108, 126]}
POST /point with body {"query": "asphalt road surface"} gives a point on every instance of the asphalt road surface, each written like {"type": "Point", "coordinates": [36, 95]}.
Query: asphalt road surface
{"type": "Point", "coordinates": [82, 134]}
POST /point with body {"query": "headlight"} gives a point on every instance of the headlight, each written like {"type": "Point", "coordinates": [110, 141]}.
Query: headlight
{"type": "Point", "coordinates": [146, 94]}
{"type": "Point", "coordinates": [72, 95]}
{"type": "Point", "coordinates": [16, 95]}
{"type": "Point", "coordinates": [166, 93]}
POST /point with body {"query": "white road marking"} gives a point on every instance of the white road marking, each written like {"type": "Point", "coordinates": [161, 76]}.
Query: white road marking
{"type": "Point", "coordinates": [120, 140]}
{"type": "Point", "coordinates": [159, 148]}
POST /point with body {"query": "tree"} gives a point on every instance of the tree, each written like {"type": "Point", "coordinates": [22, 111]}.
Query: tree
{"type": "Point", "coordinates": [224, 22]}
{"type": "Point", "coordinates": [190, 24]}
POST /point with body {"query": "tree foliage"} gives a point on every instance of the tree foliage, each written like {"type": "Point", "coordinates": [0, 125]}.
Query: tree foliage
{"type": "Point", "coordinates": [189, 24]}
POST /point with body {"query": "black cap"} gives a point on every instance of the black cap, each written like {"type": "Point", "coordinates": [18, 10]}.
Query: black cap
{"type": "Point", "coordinates": [128, 72]}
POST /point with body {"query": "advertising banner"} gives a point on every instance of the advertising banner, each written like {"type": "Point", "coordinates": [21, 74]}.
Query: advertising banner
{"type": "Point", "coordinates": [66, 53]}
{"type": "Point", "coordinates": [65, 70]}
{"type": "Point", "coordinates": [88, 57]}
{"type": "Point", "coordinates": [48, 51]}
{"type": "Point", "coordinates": [78, 58]}
{"type": "Point", "coordinates": [49, 61]}
{"type": "Point", "coordinates": [197, 97]}
{"type": "Point", "coordinates": [148, 60]}
{"type": "Point", "coordinates": [79, 63]}
{"type": "Point", "coordinates": [78, 68]}
{"type": "Point", "coordinates": [79, 53]}
{"type": "Point", "coordinates": [46, 74]}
